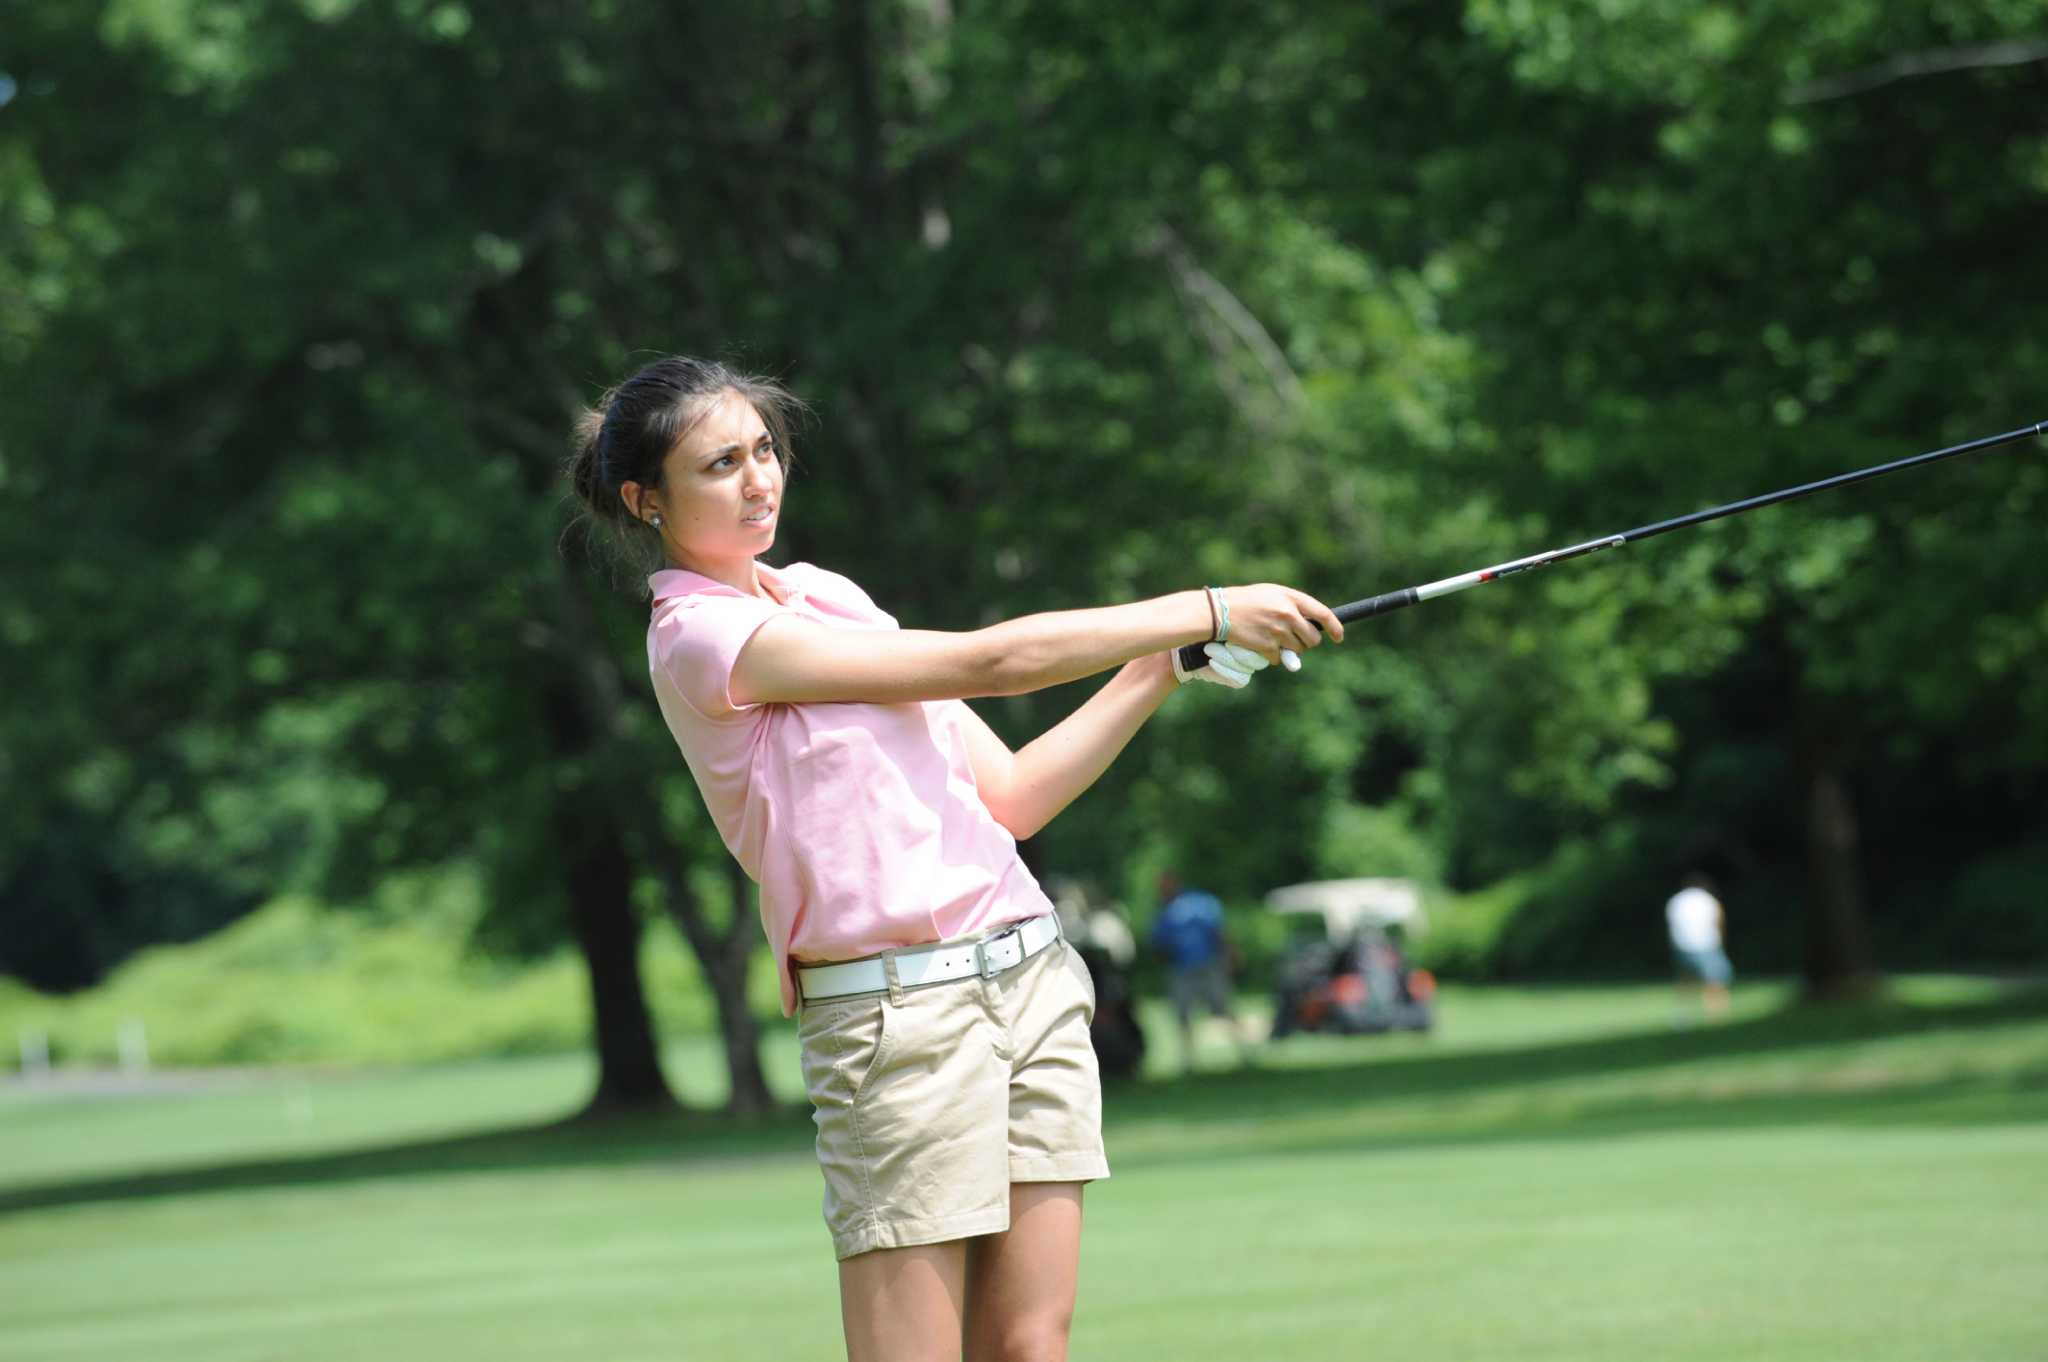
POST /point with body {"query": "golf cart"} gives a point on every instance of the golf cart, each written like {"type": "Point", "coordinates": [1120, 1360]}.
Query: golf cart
{"type": "Point", "coordinates": [1346, 973]}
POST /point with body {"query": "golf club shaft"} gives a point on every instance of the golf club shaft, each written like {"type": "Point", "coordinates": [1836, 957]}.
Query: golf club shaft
{"type": "Point", "coordinates": [1192, 656]}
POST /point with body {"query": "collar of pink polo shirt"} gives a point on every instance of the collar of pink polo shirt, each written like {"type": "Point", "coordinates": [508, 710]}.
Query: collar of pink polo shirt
{"type": "Point", "coordinates": [671, 582]}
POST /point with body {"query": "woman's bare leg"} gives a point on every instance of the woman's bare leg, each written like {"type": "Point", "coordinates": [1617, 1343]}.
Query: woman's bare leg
{"type": "Point", "coordinates": [904, 1305]}
{"type": "Point", "coordinates": [1021, 1284]}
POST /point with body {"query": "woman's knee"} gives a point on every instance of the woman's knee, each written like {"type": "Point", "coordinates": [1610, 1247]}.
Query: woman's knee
{"type": "Point", "coordinates": [1026, 1336]}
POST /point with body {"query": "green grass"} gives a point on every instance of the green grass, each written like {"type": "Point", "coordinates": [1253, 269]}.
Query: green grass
{"type": "Point", "coordinates": [1557, 1174]}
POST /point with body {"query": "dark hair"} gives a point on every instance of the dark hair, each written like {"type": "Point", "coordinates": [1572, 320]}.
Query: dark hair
{"type": "Point", "coordinates": [629, 433]}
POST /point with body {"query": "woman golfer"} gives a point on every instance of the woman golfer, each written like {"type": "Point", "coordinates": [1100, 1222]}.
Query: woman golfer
{"type": "Point", "coordinates": [943, 1022]}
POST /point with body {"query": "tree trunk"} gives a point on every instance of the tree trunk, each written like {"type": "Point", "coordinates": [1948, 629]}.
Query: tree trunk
{"type": "Point", "coordinates": [750, 1096]}
{"type": "Point", "coordinates": [1838, 963]}
{"type": "Point", "coordinates": [583, 703]}
{"type": "Point", "coordinates": [724, 956]}
{"type": "Point", "coordinates": [735, 1019]}
{"type": "Point", "coordinates": [629, 1076]}
{"type": "Point", "coordinates": [854, 34]}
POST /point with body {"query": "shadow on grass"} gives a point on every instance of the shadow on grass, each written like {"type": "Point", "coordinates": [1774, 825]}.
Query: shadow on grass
{"type": "Point", "coordinates": [1263, 1094]}
{"type": "Point", "coordinates": [2010, 1098]}
{"type": "Point", "coordinates": [574, 1143]}
{"type": "Point", "coordinates": [1397, 1101]}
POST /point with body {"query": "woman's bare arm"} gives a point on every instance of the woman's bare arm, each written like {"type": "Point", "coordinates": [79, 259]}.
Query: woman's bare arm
{"type": "Point", "coordinates": [1025, 789]}
{"type": "Point", "coordinates": [793, 660]}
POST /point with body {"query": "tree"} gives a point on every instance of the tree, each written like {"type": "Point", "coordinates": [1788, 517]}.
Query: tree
{"type": "Point", "coordinates": [1687, 261]}
{"type": "Point", "coordinates": [1092, 302]}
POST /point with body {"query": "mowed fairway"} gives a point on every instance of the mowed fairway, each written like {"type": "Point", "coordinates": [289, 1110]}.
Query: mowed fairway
{"type": "Point", "coordinates": [1557, 1175]}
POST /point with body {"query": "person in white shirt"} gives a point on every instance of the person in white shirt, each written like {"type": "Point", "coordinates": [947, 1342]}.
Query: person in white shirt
{"type": "Point", "coordinates": [1697, 922]}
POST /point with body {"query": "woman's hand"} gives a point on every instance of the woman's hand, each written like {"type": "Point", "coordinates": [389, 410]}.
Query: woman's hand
{"type": "Point", "coordinates": [1270, 619]}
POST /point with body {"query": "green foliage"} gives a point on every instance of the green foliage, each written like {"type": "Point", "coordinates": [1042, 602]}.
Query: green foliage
{"type": "Point", "coordinates": [1994, 912]}
{"type": "Point", "coordinates": [298, 983]}
{"type": "Point", "coordinates": [1462, 940]}
{"type": "Point", "coordinates": [297, 302]}
{"type": "Point", "coordinates": [1358, 840]}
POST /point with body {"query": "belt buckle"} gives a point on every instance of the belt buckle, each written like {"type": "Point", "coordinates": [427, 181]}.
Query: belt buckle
{"type": "Point", "coordinates": [981, 964]}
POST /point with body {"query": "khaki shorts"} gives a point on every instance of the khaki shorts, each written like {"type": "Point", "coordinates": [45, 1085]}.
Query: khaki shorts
{"type": "Point", "coordinates": [930, 1105]}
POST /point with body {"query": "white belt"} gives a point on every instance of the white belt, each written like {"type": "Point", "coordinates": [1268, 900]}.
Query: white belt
{"type": "Point", "coordinates": [988, 956]}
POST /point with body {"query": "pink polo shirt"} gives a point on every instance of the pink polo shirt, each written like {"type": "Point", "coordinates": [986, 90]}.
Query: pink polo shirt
{"type": "Point", "coordinates": [860, 822]}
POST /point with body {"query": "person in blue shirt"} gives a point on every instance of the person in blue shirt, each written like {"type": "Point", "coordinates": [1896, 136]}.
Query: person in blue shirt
{"type": "Point", "coordinates": [1189, 934]}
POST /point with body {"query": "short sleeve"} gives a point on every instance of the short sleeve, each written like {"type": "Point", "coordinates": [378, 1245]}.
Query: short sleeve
{"type": "Point", "coordinates": [837, 587]}
{"type": "Point", "coordinates": [693, 649]}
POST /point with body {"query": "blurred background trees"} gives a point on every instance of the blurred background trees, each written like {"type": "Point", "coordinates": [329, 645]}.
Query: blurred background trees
{"type": "Point", "coordinates": [297, 302]}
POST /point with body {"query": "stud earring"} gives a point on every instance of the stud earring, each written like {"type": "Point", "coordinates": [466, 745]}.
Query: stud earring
{"type": "Point", "coordinates": [656, 521]}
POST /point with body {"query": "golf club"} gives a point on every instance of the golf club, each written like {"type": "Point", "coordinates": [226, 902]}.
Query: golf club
{"type": "Point", "coordinates": [1192, 657]}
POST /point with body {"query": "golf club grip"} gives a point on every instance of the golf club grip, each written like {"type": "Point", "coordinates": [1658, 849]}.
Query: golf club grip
{"type": "Point", "coordinates": [1192, 656]}
{"type": "Point", "coordinates": [1377, 605]}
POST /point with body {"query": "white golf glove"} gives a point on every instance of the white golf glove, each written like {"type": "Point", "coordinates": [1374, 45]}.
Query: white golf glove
{"type": "Point", "coordinates": [1229, 665]}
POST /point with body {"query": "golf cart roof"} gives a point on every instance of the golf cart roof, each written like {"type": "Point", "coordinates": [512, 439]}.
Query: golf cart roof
{"type": "Point", "coordinates": [1347, 905]}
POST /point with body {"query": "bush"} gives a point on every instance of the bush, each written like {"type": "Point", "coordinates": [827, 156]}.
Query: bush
{"type": "Point", "coordinates": [1462, 936]}
{"type": "Point", "coordinates": [299, 982]}
{"type": "Point", "coordinates": [1997, 912]}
